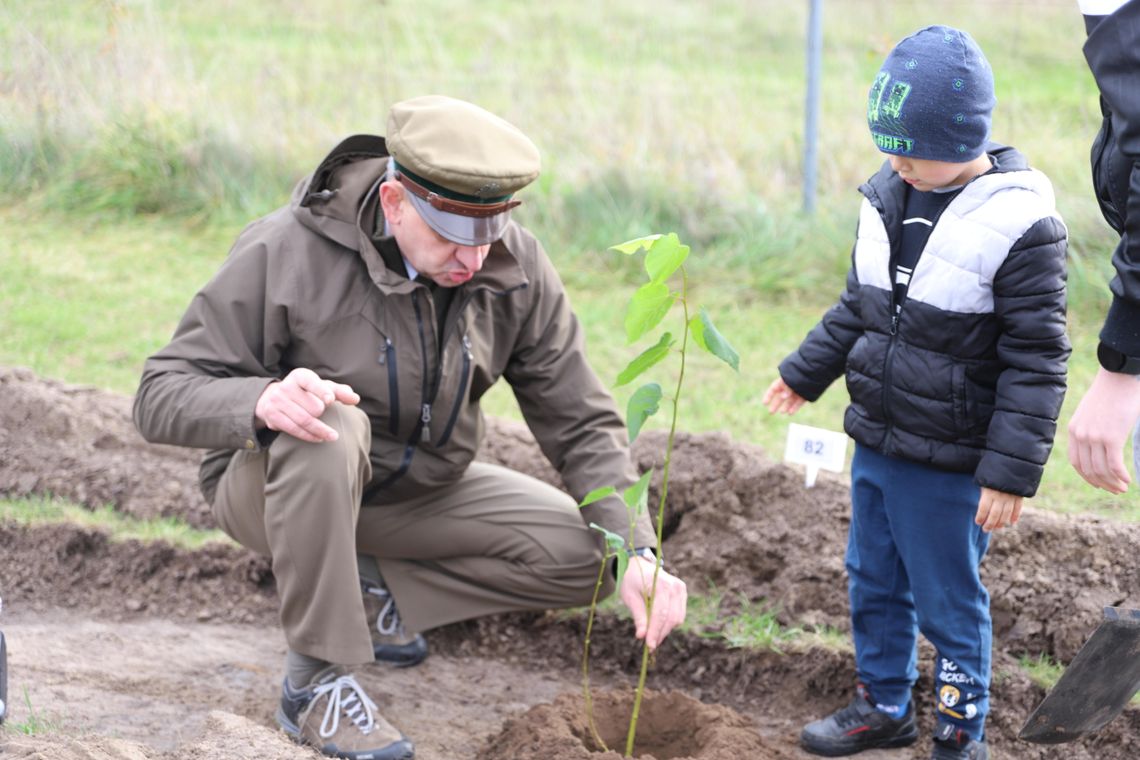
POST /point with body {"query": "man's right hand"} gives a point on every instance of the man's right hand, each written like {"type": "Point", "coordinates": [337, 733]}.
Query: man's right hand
{"type": "Point", "coordinates": [1099, 429]}
{"type": "Point", "coordinates": [294, 405]}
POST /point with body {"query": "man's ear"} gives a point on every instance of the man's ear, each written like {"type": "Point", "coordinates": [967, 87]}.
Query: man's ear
{"type": "Point", "coordinates": [391, 201]}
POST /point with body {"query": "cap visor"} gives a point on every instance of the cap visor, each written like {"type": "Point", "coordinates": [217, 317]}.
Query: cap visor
{"type": "Point", "coordinates": [465, 230]}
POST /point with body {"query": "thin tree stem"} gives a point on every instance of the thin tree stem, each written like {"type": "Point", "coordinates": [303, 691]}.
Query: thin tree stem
{"type": "Point", "coordinates": [586, 695]}
{"type": "Point", "coordinates": [660, 518]}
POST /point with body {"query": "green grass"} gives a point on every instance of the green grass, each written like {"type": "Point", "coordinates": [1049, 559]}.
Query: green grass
{"type": "Point", "coordinates": [139, 137]}
{"type": "Point", "coordinates": [118, 527]}
{"type": "Point", "coordinates": [35, 724]}
{"type": "Point", "coordinates": [754, 625]}
{"type": "Point", "coordinates": [1044, 671]}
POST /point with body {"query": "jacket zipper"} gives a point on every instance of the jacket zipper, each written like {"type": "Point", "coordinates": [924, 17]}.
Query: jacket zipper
{"type": "Point", "coordinates": [464, 376]}
{"type": "Point", "coordinates": [421, 430]}
{"type": "Point", "coordinates": [388, 359]}
{"type": "Point", "coordinates": [887, 374]}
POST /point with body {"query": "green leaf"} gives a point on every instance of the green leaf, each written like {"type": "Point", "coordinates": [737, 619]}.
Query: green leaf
{"type": "Point", "coordinates": [614, 543]}
{"type": "Point", "coordinates": [665, 256]}
{"type": "Point", "coordinates": [637, 495]}
{"type": "Point", "coordinates": [597, 495]}
{"type": "Point", "coordinates": [615, 547]}
{"type": "Point", "coordinates": [643, 404]}
{"type": "Point", "coordinates": [646, 359]}
{"type": "Point", "coordinates": [647, 308]}
{"type": "Point", "coordinates": [709, 338]}
{"type": "Point", "coordinates": [635, 245]}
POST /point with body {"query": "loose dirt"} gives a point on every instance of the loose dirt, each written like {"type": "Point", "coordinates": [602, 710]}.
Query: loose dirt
{"type": "Point", "coordinates": [129, 651]}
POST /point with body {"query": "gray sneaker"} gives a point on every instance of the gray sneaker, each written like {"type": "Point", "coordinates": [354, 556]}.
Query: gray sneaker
{"type": "Point", "coordinates": [334, 715]}
{"type": "Point", "coordinates": [390, 642]}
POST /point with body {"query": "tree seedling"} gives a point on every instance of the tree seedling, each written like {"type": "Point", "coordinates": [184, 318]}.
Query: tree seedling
{"type": "Point", "coordinates": [664, 263]}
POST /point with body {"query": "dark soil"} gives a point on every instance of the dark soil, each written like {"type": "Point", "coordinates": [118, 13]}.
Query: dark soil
{"type": "Point", "coordinates": [735, 518]}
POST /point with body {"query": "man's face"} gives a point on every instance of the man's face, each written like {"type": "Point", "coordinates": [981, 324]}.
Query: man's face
{"type": "Point", "coordinates": [447, 263]}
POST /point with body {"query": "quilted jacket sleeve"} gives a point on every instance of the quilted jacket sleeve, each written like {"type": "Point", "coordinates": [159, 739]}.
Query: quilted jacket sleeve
{"type": "Point", "coordinates": [1029, 301]}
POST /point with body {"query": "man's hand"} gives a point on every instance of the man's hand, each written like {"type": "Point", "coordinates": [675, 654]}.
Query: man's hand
{"type": "Point", "coordinates": [997, 509]}
{"type": "Point", "coordinates": [1099, 428]}
{"type": "Point", "coordinates": [669, 601]}
{"type": "Point", "coordinates": [781, 398]}
{"type": "Point", "coordinates": [294, 405]}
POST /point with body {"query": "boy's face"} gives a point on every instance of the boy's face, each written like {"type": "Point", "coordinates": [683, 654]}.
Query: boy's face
{"type": "Point", "coordinates": [925, 175]}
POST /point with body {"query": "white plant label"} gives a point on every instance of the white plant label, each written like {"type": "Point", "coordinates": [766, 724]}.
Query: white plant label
{"type": "Point", "coordinates": [816, 449]}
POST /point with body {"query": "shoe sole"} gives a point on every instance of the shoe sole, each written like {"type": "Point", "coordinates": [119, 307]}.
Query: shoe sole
{"type": "Point", "coordinates": [402, 656]}
{"type": "Point", "coordinates": [905, 740]}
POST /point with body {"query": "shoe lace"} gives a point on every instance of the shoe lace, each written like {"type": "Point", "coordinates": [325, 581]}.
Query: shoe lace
{"type": "Point", "coordinates": [851, 716]}
{"type": "Point", "coordinates": [345, 694]}
{"type": "Point", "coordinates": [388, 621]}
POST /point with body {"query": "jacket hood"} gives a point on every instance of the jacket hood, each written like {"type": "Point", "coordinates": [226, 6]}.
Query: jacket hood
{"type": "Point", "coordinates": [328, 201]}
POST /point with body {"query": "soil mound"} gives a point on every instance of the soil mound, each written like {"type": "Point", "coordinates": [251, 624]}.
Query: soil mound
{"type": "Point", "coordinates": [671, 726]}
{"type": "Point", "coordinates": [735, 519]}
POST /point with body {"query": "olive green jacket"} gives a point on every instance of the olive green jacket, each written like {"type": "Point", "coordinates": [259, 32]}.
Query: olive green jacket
{"type": "Point", "coordinates": [306, 286]}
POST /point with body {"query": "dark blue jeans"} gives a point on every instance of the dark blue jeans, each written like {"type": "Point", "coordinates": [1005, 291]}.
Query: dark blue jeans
{"type": "Point", "coordinates": [913, 553]}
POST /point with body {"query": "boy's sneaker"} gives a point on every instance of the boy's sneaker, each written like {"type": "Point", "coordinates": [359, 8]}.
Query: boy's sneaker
{"type": "Point", "coordinates": [857, 727]}
{"type": "Point", "coordinates": [952, 743]}
{"type": "Point", "coordinates": [390, 642]}
{"type": "Point", "coordinates": [334, 715]}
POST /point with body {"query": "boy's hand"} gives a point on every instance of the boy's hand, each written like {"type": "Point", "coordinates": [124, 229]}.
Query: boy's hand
{"type": "Point", "coordinates": [779, 398]}
{"type": "Point", "coordinates": [997, 509]}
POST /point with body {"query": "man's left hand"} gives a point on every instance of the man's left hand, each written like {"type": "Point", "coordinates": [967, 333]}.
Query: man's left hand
{"type": "Point", "coordinates": [669, 601]}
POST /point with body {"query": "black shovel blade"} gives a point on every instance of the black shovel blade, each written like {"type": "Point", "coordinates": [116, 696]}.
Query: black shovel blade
{"type": "Point", "coordinates": [1096, 686]}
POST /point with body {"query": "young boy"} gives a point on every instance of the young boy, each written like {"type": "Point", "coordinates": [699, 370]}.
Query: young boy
{"type": "Point", "coordinates": [952, 334]}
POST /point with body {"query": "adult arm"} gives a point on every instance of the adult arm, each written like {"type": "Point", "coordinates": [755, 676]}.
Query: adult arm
{"type": "Point", "coordinates": [577, 425]}
{"type": "Point", "coordinates": [1110, 408]}
{"type": "Point", "coordinates": [202, 388]}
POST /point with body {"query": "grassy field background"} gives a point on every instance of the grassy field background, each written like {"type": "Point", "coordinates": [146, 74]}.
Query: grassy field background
{"type": "Point", "coordinates": [139, 137]}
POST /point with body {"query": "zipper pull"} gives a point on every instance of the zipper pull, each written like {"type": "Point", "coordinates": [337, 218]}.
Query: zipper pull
{"type": "Point", "coordinates": [425, 427]}
{"type": "Point", "coordinates": [467, 346]}
{"type": "Point", "coordinates": [895, 324]}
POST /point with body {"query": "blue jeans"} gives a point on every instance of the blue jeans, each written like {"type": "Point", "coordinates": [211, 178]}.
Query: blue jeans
{"type": "Point", "coordinates": [913, 553]}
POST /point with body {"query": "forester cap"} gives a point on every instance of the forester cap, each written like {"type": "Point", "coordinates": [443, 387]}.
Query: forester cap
{"type": "Point", "coordinates": [460, 164]}
{"type": "Point", "coordinates": [933, 97]}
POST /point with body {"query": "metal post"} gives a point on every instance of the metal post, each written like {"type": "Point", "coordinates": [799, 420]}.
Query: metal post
{"type": "Point", "coordinates": [811, 127]}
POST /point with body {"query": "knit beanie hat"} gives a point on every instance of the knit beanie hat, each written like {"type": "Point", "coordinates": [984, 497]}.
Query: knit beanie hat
{"type": "Point", "coordinates": [933, 97]}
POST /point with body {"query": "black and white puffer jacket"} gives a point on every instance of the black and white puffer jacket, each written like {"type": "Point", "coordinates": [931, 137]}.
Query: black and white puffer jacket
{"type": "Point", "coordinates": [971, 376]}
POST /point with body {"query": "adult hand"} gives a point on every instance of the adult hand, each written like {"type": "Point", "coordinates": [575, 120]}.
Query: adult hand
{"type": "Point", "coordinates": [997, 509]}
{"type": "Point", "coordinates": [294, 405]}
{"type": "Point", "coordinates": [669, 600]}
{"type": "Point", "coordinates": [781, 398]}
{"type": "Point", "coordinates": [1099, 428]}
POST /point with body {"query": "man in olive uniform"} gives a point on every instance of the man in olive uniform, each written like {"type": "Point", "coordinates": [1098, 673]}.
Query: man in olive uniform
{"type": "Point", "coordinates": [334, 366]}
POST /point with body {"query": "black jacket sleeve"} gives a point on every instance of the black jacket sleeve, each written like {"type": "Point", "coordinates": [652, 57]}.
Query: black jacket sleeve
{"type": "Point", "coordinates": [1029, 301]}
{"type": "Point", "coordinates": [1113, 54]}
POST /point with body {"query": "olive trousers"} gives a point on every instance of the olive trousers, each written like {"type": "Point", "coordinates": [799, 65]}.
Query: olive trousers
{"type": "Point", "coordinates": [495, 541]}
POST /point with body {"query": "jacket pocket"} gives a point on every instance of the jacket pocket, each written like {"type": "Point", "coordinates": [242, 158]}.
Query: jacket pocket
{"type": "Point", "coordinates": [387, 360]}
